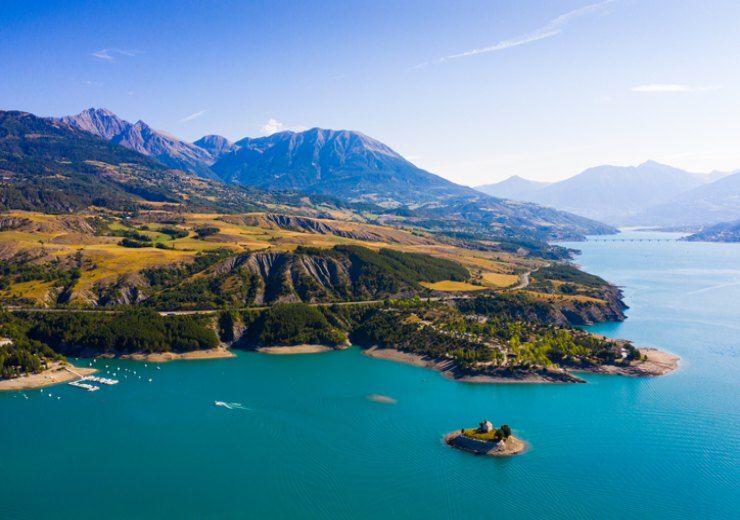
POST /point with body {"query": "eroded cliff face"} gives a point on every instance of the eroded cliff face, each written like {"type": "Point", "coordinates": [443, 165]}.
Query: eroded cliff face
{"type": "Point", "coordinates": [264, 278]}
{"type": "Point", "coordinates": [9, 223]}
{"type": "Point", "coordinates": [282, 277]}
{"type": "Point", "coordinates": [610, 308]}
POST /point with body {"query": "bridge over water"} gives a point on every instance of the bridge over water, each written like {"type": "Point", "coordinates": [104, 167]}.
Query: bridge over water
{"type": "Point", "coordinates": [632, 240]}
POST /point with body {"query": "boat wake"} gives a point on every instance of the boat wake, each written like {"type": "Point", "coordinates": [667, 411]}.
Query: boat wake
{"type": "Point", "coordinates": [231, 406]}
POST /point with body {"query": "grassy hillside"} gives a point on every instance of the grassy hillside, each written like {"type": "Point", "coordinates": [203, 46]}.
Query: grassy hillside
{"type": "Point", "coordinates": [83, 259]}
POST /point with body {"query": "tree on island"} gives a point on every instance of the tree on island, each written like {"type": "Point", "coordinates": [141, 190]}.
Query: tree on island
{"type": "Point", "coordinates": [505, 430]}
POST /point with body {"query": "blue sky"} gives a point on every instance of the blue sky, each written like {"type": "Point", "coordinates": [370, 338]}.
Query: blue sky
{"type": "Point", "coordinates": [472, 90]}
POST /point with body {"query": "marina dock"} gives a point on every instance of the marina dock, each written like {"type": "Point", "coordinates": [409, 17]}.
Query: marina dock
{"type": "Point", "coordinates": [82, 381]}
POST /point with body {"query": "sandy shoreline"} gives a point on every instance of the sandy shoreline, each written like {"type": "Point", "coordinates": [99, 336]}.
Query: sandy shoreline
{"type": "Point", "coordinates": [295, 349]}
{"type": "Point", "coordinates": [57, 373]}
{"type": "Point", "coordinates": [509, 447]}
{"type": "Point", "coordinates": [447, 368]}
{"type": "Point", "coordinates": [164, 357]}
{"type": "Point", "coordinates": [658, 363]}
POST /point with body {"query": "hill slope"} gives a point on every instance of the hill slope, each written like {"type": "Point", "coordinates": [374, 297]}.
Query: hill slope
{"type": "Point", "coordinates": [711, 203]}
{"type": "Point", "coordinates": [490, 218]}
{"type": "Point", "coordinates": [51, 166]}
{"type": "Point", "coordinates": [722, 232]}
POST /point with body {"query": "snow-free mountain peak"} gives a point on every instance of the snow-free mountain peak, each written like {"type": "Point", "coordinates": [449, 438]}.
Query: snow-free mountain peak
{"type": "Point", "coordinates": [215, 145]}
{"type": "Point", "coordinates": [167, 149]}
{"type": "Point", "coordinates": [342, 163]}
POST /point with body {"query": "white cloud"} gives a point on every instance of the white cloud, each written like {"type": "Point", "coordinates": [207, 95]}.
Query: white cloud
{"type": "Point", "coordinates": [550, 29]}
{"type": "Point", "coordinates": [662, 88]}
{"type": "Point", "coordinates": [110, 54]}
{"type": "Point", "coordinates": [196, 115]}
{"type": "Point", "coordinates": [272, 126]}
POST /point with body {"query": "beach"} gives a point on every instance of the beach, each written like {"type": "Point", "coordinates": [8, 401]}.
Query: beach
{"type": "Point", "coordinates": [163, 357]}
{"type": "Point", "coordinates": [658, 363]}
{"type": "Point", "coordinates": [55, 374]}
{"type": "Point", "coordinates": [295, 349]}
{"type": "Point", "coordinates": [448, 369]}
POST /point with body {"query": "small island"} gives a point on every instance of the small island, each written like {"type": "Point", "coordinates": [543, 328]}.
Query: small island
{"type": "Point", "coordinates": [486, 440]}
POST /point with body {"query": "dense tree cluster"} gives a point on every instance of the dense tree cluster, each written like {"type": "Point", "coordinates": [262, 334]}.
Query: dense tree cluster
{"type": "Point", "coordinates": [18, 353]}
{"type": "Point", "coordinates": [75, 334]}
{"type": "Point", "coordinates": [293, 324]}
{"type": "Point", "coordinates": [174, 232]}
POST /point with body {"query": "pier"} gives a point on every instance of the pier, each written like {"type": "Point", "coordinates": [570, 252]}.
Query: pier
{"type": "Point", "coordinates": [81, 382]}
{"type": "Point", "coordinates": [84, 386]}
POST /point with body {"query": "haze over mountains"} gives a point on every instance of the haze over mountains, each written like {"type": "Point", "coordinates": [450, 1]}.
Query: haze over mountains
{"type": "Point", "coordinates": [708, 203]}
{"type": "Point", "coordinates": [515, 188]}
{"type": "Point", "coordinates": [648, 194]}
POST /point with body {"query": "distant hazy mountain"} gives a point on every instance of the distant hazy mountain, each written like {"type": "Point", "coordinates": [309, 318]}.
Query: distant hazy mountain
{"type": "Point", "coordinates": [613, 194]}
{"type": "Point", "coordinates": [515, 187]}
{"type": "Point", "coordinates": [722, 232]}
{"type": "Point", "coordinates": [711, 203]}
{"type": "Point", "coordinates": [216, 145]}
{"type": "Point", "coordinates": [342, 163]}
{"type": "Point", "coordinates": [139, 136]}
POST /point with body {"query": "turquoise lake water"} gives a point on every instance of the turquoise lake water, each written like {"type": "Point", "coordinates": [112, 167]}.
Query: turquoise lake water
{"type": "Point", "coordinates": [310, 444]}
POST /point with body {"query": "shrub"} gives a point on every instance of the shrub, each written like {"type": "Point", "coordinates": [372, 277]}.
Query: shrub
{"type": "Point", "coordinates": [206, 231]}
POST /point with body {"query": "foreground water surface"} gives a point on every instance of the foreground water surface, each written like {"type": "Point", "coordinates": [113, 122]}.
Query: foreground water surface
{"type": "Point", "coordinates": [306, 441]}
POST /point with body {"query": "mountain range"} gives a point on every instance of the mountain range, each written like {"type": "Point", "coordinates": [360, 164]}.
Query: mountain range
{"type": "Point", "coordinates": [650, 194]}
{"type": "Point", "coordinates": [95, 158]}
{"type": "Point", "coordinates": [340, 163]}
{"type": "Point", "coordinates": [345, 163]}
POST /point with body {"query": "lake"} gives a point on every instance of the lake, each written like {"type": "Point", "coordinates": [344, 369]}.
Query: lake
{"type": "Point", "coordinates": [307, 442]}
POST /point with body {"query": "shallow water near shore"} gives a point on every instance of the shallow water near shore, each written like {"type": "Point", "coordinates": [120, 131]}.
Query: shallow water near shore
{"type": "Point", "coordinates": [308, 442]}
